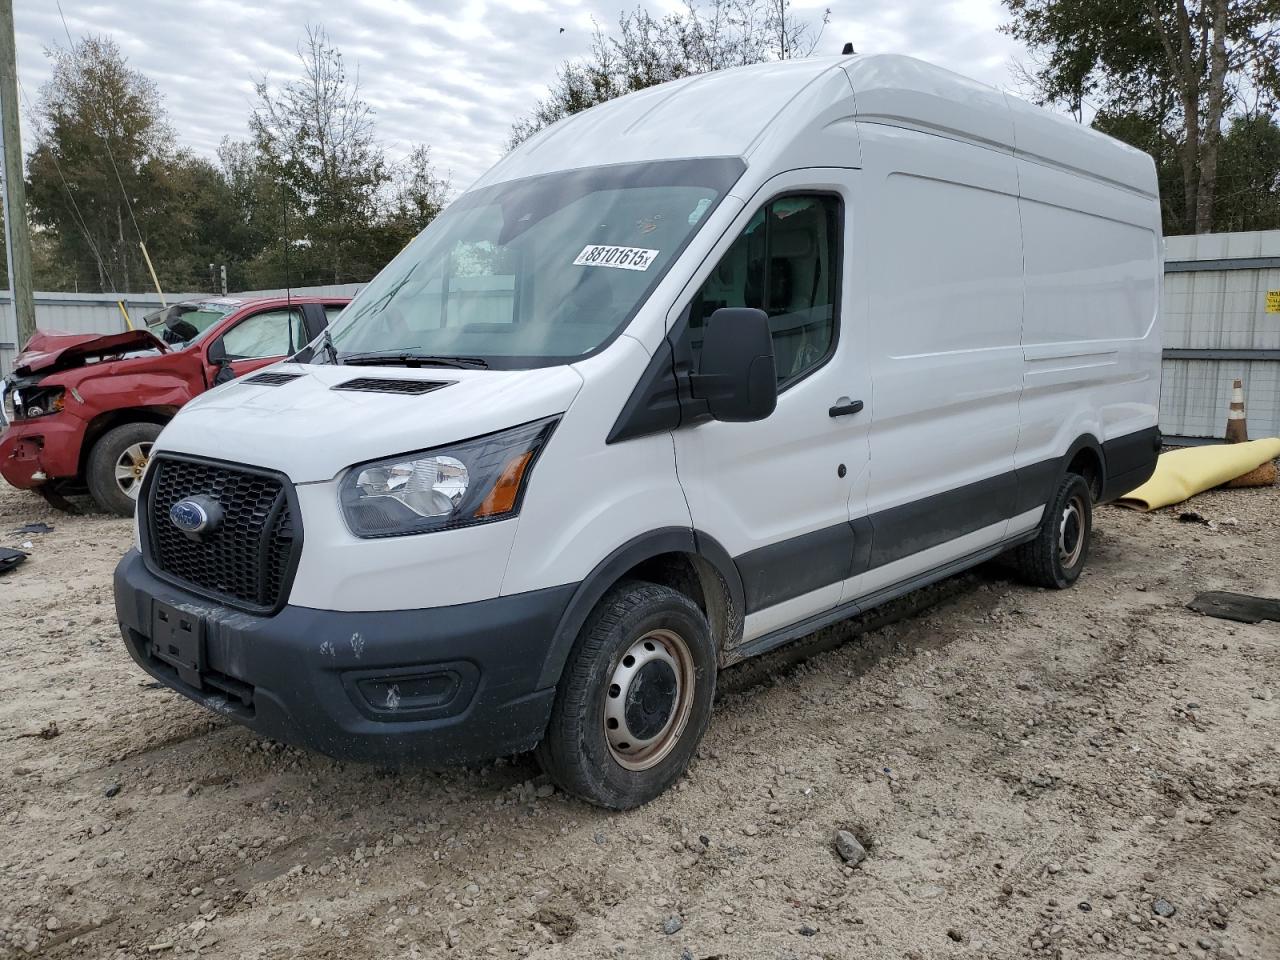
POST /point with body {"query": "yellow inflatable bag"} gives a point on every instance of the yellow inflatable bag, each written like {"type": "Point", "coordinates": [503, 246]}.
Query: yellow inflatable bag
{"type": "Point", "coordinates": [1184, 473]}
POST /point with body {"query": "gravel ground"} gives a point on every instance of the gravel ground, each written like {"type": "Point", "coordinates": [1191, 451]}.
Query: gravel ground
{"type": "Point", "coordinates": [1033, 774]}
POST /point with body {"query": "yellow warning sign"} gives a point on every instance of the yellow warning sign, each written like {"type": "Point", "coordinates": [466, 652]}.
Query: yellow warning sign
{"type": "Point", "coordinates": [1273, 301]}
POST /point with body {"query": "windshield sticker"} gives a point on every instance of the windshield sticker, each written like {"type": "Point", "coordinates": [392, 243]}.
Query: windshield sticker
{"type": "Point", "coordinates": [624, 258]}
{"type": "Point", "coordinates": [699, 210]}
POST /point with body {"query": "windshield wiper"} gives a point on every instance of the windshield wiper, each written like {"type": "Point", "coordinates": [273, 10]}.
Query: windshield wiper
{"type": "Point", "coordinates": [330, 350]}
{"type": "Point", "coordinates": [413, 360]}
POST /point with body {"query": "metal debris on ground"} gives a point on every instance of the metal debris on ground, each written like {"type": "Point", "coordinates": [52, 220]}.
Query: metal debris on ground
{"type": "Point", "coordinates": [37, 527]}
{"type": "Point", "coordinates": [1239, 607]}
{"type": "Point", "coordinates": [10, 559]}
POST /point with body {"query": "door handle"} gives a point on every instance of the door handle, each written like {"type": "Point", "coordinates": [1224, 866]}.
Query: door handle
{"type": "Point", "coordinates": [844, 407]}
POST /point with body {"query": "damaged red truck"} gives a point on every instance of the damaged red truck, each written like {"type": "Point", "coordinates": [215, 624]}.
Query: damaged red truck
{"type": "Point", "coordinates": [84, 409]}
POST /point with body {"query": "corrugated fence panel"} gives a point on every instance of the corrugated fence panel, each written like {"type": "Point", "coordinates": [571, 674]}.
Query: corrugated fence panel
{"type": "Point", "coordinates": [1221, 310]}
{"type": "Point", "coordinates": [1195, 394]}
{"type": "Point", "coordinates": [1215, 302]}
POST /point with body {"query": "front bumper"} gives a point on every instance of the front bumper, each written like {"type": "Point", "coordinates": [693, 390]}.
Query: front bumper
{"type": "Point", "coordinates": [47, 448]}
{"type": "Point", "coordinates": [446, 685]}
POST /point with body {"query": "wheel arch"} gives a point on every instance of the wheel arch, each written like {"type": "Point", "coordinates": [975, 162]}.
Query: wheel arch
{"type": "Point", "coordinates": [1086, 457]}
{"type": "Point", "coordinates": [679, 557]}
{"type": "Point", "coordinates": [110, 419]}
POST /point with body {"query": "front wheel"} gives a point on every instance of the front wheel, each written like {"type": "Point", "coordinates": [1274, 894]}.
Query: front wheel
{"type": "Point", "coordinates": [635, 698]}
{"type": "Point", "coordinates": [1055, 558]}
{"type": "Point", "coordinates": [116, 464]}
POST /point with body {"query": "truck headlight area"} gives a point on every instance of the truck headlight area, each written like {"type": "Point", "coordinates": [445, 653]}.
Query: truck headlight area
{"type": "Point", "coordinates": [471, 482]}
{"type": "Point", "coordinates": [32, 402]}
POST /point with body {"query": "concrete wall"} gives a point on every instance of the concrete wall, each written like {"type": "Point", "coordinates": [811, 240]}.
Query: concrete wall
{"type": "Point", "coordinates": [1217, 328]}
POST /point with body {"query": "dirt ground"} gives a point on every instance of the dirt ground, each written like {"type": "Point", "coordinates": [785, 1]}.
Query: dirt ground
{"type": "Point", "coordinates": [1035, 774]}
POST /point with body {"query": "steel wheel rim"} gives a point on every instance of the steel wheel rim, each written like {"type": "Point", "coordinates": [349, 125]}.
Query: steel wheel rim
{"type": "Point", "coordinates": [130, 466]}
{"type": "Point", "coordinates": [637, 688]}
{"type": "Point", "coordinates": [1071, 533]}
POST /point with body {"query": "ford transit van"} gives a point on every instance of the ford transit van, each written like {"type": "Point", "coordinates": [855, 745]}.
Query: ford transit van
{"type": "Point", "coordinates": [682, 378]}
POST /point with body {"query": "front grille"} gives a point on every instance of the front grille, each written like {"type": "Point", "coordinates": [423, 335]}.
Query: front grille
{"type": "Point", "coordinates": [249, 556]}
{"type": "Point", "coordinates": [388, 385]}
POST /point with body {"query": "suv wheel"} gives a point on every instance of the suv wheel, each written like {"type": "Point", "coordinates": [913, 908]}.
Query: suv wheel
{"type": "Point", "coordinates": [635, 698]}
{"type": "Point", "coordinates": [116, 464]}
{"type": "Point", "coordinates": [1056, 556]}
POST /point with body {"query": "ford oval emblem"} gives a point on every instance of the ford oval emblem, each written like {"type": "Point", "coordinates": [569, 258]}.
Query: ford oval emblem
{"type": "Point", "coordinates": [195, 515]}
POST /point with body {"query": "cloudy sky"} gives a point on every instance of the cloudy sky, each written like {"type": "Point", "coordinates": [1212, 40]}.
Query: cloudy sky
{"type": "Point", "coordinates": [447, 73]}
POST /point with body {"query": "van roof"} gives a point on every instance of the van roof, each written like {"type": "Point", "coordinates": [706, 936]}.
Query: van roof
{"type": "Point", "coordinates": [728, 112]}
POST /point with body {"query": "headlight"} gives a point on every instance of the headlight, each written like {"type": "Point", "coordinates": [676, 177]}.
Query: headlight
{"type": "Point", "coordinates": [475, 481]}
{"type": "Point", "coordinates": [31, 402]}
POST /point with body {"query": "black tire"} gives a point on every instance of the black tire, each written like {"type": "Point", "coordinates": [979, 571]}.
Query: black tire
{"type": "Point", "coordinates": [585, 750]}
{"type": "Point", "coordinates": [1055, 558]}
{"type": "Point", "coordinates": [112, 448]}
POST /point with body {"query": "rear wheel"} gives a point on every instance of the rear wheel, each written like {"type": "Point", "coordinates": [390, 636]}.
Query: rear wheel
{"type": "Point", "coordinates": [116, 464]}
{"type": "Point", "coordinates": [635, 699]}
{"type": "Point", "coordinates": [1057, 555]}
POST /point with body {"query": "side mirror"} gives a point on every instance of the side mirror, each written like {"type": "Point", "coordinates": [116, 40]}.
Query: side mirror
{"type": "Point", "coordinates": [738, 376]}
{"type": "Point", "coordinates": [217, 355]}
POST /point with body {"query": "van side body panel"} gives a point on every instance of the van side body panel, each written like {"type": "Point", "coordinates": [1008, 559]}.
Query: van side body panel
{"type": "Point", "coordinates": [939, 226]}
{"type": "Point", "coordinates": [1011, 321]}
{"type": "Point", "coordinates": [1091, 338]}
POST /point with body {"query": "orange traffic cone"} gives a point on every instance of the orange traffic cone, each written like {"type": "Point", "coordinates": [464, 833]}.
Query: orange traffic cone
{"type": "Point", "coordinates": [1237, 429]}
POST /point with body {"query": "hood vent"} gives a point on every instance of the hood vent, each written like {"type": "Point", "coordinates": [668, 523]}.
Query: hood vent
{"type": "Point", "coordinates": [384, 385]}
{"type": "Point", "coordinates": [272, 379]}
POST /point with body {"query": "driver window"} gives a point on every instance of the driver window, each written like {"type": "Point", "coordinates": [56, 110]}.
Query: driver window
{"type": "Point", "coordinates": [265, 334]}
{"type": "Point", "coordinates": [786, 263]}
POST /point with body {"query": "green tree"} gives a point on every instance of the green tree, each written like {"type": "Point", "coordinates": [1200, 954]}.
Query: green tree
{"type": "Point", "coordinates": [1249, 176]}
{"type": "Point", "coordinates": [315, 184]}
{"type": "Point", "coordinates": [105, 174]}
{"type": "Point", "coordinates": [1182, 66]}
{"type": "Point", "coordinates": [102, 142]}
{"type": "Point", "coordinates": [416, 195]}
{"type": "Point", "coordinates": [647, 50]}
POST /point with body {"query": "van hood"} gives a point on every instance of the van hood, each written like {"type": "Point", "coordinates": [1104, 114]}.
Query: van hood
{"type": "Point", "coordinates": [317, 422]}
{"type": "Point", "coordinates": [51, 350]}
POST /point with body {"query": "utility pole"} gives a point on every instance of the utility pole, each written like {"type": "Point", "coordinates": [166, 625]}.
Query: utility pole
{"type": "Point", "coordinates": [17, 231]}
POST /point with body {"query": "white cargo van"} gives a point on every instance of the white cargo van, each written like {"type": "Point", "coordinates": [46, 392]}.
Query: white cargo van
{"type": "Point", "coordinates": [682, 378]}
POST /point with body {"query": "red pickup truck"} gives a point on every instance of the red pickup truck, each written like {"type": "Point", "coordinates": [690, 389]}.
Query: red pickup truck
{"type": "Point", "coordinates": [84, 409]}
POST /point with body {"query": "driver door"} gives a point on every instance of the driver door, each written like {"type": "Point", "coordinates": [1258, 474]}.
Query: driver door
{"type": "Point", "coordinates": [260, 340]}
{"type": "Point", "coordinates": [777, 494]}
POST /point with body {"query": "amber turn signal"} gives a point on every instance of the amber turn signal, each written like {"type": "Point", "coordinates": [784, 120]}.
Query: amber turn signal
{"type": "Point", "coordinates": [502, 498]}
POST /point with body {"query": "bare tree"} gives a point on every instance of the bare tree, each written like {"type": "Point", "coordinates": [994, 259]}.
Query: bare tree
{"type": "Point", "coordinates": [339, 207]}
{"type": "Point", "coordinates": [649, 49]}
{"type": "Point", "coordinates": [791, 37]}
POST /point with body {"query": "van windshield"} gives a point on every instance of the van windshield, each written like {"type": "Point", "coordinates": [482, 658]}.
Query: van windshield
{"type": "Point", "coordinates": [533, 272]}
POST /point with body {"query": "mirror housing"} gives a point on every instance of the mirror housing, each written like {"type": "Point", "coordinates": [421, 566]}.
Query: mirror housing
{"type": "Point", "coordinates": [216, 354]}
{"type": "Point", "coordinates": [737, 375]}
